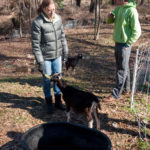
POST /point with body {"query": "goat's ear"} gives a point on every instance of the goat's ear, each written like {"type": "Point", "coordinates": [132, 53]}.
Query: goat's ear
{"type": "Point", "coordinates": [47, 76]}
{"type": "Point", "coordinates": [57, 74]}
{"type": "Point", "coordinates": [60, 75]}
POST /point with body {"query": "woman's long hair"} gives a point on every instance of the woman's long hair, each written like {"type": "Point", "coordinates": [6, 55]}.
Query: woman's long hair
{"type": "Point", "coordinates": [44, 4]}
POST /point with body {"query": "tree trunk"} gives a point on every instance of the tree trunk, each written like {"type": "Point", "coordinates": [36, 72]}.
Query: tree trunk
{"type": "Point", "coordinates": [112, 2]}
{"type": "Point", "coordinates": [72, 6]}
{"type": "Point", "coordinates": [92, 5]}
{"type": "Point", "coordinates": [30, 13]}
{"type": "Point", "coordinates": [20, 28]}
{"type": "Point", "coordinates": [95, 25]}
{"type": "Point", "coordinates": [36, 4]}
{"type": "Point", "coordinates": [20, 18]}
{"type": "Point", "coordinates": [142, 2]}
{"type": "Point", "coordinates": [97, 19]}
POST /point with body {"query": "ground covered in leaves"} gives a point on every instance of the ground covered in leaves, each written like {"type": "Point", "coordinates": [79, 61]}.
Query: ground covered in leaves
{"type": "Point", "coordinates": [22, 103]}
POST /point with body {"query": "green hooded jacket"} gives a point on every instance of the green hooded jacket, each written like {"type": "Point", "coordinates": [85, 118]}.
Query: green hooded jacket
{"type": "Point", "coordinates": [127, 28]}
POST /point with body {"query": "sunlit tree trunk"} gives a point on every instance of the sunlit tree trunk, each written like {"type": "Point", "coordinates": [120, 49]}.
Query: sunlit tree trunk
{"type": "Point", "coordinates": [30, 12]}
{"type": "Point", "coordinates": [20, 17]}
{"type": "Point", "coordinates": [97, 19]}
{"type": "Point", "coordinates": [95, 25]}
{"type": "Point", "coordinates": [142, 2]}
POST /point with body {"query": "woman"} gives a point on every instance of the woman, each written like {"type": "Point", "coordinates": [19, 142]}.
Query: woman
{"type": "Point", "coordinates": [49, 46]}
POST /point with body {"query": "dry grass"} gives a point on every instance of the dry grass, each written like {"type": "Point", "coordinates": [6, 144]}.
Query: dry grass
{"type": "Point", "coordinates": [21, 96]}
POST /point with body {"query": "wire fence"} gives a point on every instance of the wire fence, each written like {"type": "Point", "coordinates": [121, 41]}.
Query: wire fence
{"type": "Point", "coordinates": [140, 102]}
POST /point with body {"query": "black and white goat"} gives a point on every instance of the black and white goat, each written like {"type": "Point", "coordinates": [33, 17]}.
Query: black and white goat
{"type": "Point", "coordinates": [73, 61]}
{"type": "Point", "coordinates": [80, 101]}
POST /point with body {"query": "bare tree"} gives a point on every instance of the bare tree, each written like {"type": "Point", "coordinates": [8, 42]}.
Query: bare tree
{"type": "Point", "coordinates": [20, 15]}
{"type": "Point", "coordinates": [98, 4]}
{"type": "Point", "coordinates": [92, 5]}
{"type": "Point", "coordinates": [27, 4]}
{"type": "Point", "coordinates": [142, 2]}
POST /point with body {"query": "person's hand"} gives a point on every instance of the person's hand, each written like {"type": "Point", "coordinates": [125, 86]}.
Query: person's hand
{"type": "Point", "coordinates": [41, 67]}
{"type": "Point", "coordinates": [110, 15]}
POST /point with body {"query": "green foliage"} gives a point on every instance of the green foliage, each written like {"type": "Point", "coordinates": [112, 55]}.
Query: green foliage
{"type": "Point", "coordinates": [60, 3]}
{"type": "Point", "coordinates": [128, 108]}
{"type": "Point", "coordinates": [143, 145]}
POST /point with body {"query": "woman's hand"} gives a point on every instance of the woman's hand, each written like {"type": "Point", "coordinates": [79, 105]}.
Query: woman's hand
{"type": "Point", "coordinates": [41, 67]}
{"type": "Point", "coordinates": [111, 16]}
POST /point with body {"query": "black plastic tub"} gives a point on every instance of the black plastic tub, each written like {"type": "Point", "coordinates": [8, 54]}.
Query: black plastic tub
{"type": "Point", "coordinates": [64, 136]}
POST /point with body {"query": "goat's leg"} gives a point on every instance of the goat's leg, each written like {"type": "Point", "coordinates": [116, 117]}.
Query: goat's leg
{"type": "Point", "coordinates": [68, 116]}
{"type": "Point", "coordinates": [90, 124]}
{"type": "Point", "coordinates": [96, 118]}
{"type": "Point", "coordinates": [68, 113]}
{"type": "Point", "coordinates": [89, 118]}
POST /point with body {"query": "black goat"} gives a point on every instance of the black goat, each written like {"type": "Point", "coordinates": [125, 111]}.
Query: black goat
{"type": "Point", "coordinates": [72, 61]}
{"type": "Point", "coordinates": [80, 101]}
{"type": "Point", "coordinates": [15, 23]}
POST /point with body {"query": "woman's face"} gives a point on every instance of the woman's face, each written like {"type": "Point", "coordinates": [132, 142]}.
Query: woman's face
{"type": "Point", "coordinates": [49, 10]}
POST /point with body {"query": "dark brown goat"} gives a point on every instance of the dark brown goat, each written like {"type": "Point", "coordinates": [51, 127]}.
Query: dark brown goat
{"type": "Point", "coordinates": [73, 61]}
{"type": "Point", "coordinates": [80, 101]}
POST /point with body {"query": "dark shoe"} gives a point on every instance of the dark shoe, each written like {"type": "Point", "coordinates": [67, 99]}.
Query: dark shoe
{"type": "Point", "coordinates": [49, 105]}
{"type": "Point", "coordinates": [58, 103]}
{"type": "Point", "coordinates": [109, 99]}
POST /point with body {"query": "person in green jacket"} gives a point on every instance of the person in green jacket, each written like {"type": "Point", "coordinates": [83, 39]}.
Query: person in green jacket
{"type": "Point", "coordinates": [50, 48]}
{"type": "Point", "coordinates": [127, 30]}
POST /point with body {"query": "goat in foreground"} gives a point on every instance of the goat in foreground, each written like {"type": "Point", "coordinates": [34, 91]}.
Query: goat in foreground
{"type": "Point", "coordinates": [73, 61]}
{"type": "Point", "coordinates": [80, 101]}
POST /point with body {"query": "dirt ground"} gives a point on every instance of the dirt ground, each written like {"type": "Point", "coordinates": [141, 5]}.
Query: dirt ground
{"type": "Point", "coordinates": [22, 103]}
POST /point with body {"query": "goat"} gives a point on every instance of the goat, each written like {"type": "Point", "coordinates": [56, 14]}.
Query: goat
{"type": "Point", "coordinates": [15, 23]}
{"type": "Point", "coordinates": [72, 61]}
{"type": "Point", "coordinates": [80, 101]}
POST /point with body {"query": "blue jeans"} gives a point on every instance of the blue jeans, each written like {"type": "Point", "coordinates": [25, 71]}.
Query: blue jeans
{"type": "Point", "coordinates": [51, 67]}
{"type": "Point", "coordinates": [122, 56]}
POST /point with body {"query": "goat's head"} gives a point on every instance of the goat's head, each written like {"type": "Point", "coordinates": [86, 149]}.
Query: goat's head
{"type": "Point", "coordinates": [56, 77]}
